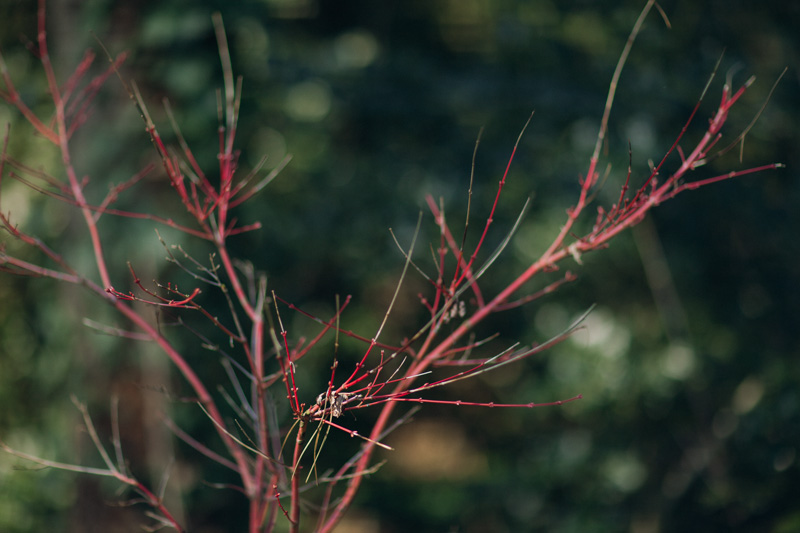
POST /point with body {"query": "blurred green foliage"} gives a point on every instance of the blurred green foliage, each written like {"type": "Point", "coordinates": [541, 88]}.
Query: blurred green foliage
{"type": "Point", "coordinates": [688, 367]}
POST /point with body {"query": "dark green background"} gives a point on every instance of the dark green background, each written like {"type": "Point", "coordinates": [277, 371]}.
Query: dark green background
{"type": "Point", "coordinates": [689, 420]}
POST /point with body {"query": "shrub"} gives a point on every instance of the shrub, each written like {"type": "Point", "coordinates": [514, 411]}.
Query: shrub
{"type": "Point", "coordinates": [276, 448]}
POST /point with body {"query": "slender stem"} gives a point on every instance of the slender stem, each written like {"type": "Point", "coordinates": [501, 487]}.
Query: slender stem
{"type": "Point", "coordinates": [63, 144]}
{"type": "Point", "coordinates": [294, 517]}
